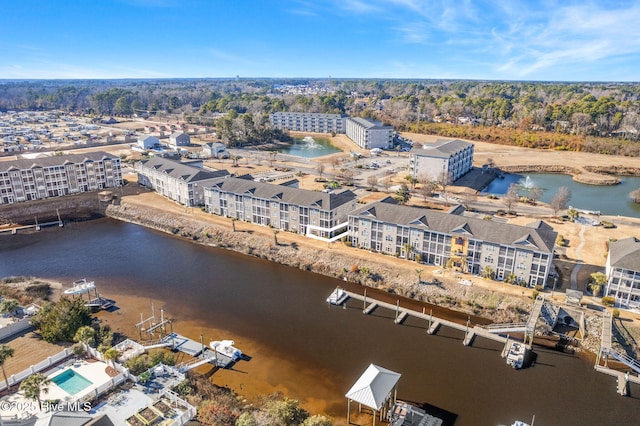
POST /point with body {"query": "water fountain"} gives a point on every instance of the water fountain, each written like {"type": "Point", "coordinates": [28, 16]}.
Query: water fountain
{"type": "Point", "coordinates": [527, 183]}
{"type": "Point", "coordinates": [310, 142]}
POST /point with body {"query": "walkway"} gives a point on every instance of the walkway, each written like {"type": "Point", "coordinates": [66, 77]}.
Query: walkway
{"type": "Point", "coordinates": [576, 269]}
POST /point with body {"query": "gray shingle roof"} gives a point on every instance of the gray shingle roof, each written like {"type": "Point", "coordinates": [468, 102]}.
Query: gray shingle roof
{"type": "Point", "coordinates": [537, 236]}
{"type": "Point", "coordinates": [57, 160]}
{"type": "Point", "coordinates": [625, 253]}
{"type": "Point", "coordinates": [368, 123]}
{"type": "Point", "coordinates": [441, 148]}
{"type": "Point", "coordinates": [301, 197]}
{"type": "Point", "coordinates": [182, 171]}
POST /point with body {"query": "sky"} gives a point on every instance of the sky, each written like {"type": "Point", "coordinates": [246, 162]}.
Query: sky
{"type": "Point", "coordinates": [538, 40]}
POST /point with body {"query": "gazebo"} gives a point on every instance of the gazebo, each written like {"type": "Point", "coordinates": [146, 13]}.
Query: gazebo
{"type": "Point", "coordinates": [373, 389]}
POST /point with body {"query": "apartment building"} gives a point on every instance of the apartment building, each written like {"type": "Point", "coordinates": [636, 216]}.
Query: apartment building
{"type": "Point", "coordinates": [369, 134]}
{"type": "Point", "coordinates": [465, 244]}
{"type": "Point", "coordinates": [25, 180]}
{"type": "Point", "coordinates": [308, 122]}
{"type": "Point", "coordinates": [312, 213]}
{"type": "Point", "coordinates": [180, 182]}
{"type": "Point", "coordinates": [444, 157]}
{"type": "Point", "coordinates": [623, 272]}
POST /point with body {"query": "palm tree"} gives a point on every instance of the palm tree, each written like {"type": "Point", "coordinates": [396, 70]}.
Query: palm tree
{"type": "Point", "coordinates": [233, 223]}
{"type": "Point", "coordinates": [34, 385]}
{"type": "Point", "coordinates": [419, 272]}
{"type": "Point", "coordinates": [110, 354]}
{"type": "Point", "coordinates": [6, 352]}
{"type": "Point", "coordinates": [86, 335]}
{"type": "Point", "coordinates": [408, 249]}
{"type": "Point", "coordinates": [275, 236]}
{"type": "Point", "coordinates": [598, 280]}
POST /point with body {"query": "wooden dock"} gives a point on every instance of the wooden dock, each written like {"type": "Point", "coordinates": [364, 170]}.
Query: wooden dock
{"type": "Point", "coordinates": [401, 314]}
{"type": "Point", "coordinates": [201, 353]}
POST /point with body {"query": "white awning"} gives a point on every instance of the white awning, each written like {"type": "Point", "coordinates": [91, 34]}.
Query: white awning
{"type": "Point", "coordinates": [373, 387]}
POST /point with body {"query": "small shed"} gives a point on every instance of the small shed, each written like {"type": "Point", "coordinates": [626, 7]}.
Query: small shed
{"type": "Point", "coordinates": [374, 390]}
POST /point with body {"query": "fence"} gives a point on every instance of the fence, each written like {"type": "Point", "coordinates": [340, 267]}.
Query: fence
{"type": "Point", "coordinates": [189, 412]}
{"type": "Point", "coordinates": [42, 365]}
{"type": "Point", "coordinates": [14, 327]}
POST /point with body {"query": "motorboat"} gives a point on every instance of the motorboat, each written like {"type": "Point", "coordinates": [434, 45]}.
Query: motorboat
{"type": "Point", "coordinates": [226, 347]}
{"type": "Point", "coordinates": [515, 357]}
{"type": "Point", "coordinates": [81, 286]}
{"type": "Point", "coordinates": [337, 297]}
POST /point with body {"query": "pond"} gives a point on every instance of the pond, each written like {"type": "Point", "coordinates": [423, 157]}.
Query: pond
{"type": "Point", "coordinates": [310, 147]}
{"type": "Point", "coordinates": [609, 200]}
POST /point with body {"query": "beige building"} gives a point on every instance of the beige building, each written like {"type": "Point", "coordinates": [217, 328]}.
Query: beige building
{"type": "Point", "coordinates": [449, 157]}
{"type": "Point", "coordinates": [522, 254]}
{"type": "Point", "coordinates": [180, 182]}
{"type": "Point", "coordinates": [25, 180]}
{"type": "Point", "coordinates": [368, 134]}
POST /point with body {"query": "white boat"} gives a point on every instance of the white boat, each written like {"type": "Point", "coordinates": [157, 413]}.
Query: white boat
{"type": "Point", "coordinates": [338, 297]}
{"type": "Point", "coordinates": [515, 357]}
{"type": "Point", "coordinates": [226, 347]}
{"type": "Point", "coordinates": [80, 287]}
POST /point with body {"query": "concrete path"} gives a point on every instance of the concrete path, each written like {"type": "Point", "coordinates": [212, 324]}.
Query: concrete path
{"type": "Point", "coordinates": [576, 269]}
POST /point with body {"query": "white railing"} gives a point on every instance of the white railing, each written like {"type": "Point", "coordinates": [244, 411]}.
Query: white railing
{"type": "Point", "coordinates": [14, 328]}
{"type": "Point", "coordinates": [42, 365]}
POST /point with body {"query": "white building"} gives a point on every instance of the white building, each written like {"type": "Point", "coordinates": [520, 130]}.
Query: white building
{"type": "Point", "coordinates": [182, 183]}
{"type": "Point", "coordinates": [34, 179]}
{"type": "Point", "coordinates": [148, 142]}
{"type": "Point", "coordinates": [215, 150]}
{"type": "Point", "coordinates": [179, 139]}
{"type": "Point", "coordinates": [368, 134]}
{"type": "Point", "coordinates": [452, 157]}
{"type": "Point", "coordinates": [308, 122]}
{"type": "Point", "coordinates": [623, 272]}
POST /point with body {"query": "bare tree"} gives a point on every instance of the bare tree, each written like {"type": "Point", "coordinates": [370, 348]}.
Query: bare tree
{"type": "Point", "coordinates": [386, 183]}
{"type": "Point", "coordinates": [373, 182]}
{"type": "Point", "coordinates": [469, 198]}
{"type": "Point", "coordinates": [535, 192]}
{"type": "Point", "coordinates": [426, 189]}
{"type": "Point", "coordinates": [444, 180]}
{"type": "Point", "coordinates": [511, 196]}
{"type": "Point", "coordinates": [561, 199]}
{"type": "Point", "coordinates": [635, 195]}
{"type": "Point", "coordinates": [320, 169]}
{"type": "Point", "coordinates": [335, 162]}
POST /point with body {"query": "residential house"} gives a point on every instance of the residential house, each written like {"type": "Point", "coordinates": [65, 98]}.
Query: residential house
{"type": "Point", "coordinates": [215, 150]}
{"type": "Point", "coordinates": [34, 179]}
{"type": "Point", "coordinates": [179, 139]}
{"type": "Point", "coordinates": [148, 142]}
{"type": "Point", "coordinates": [182, 183]}
{"type": "Point", "coordinates": [369, 134]}
{"type": "Point", "coordinates": [452, 158]}
{"type": "Point", "coordinates": [623, 272]}
{"type": "Point", "coordinates": [311, 213]}
{"type": "Point", "coordinates": [472, 245]}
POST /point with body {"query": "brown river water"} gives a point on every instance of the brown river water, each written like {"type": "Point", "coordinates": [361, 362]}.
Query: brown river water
{"type": "Point", "coordinates": [301, 346]}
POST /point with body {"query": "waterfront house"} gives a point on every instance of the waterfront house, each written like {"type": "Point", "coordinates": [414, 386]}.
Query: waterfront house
{"type": "Point", "coordinates": [520, 253]}
{"type": "Point", "coordinates": [44, 177]}
{"type": "Point", "coordinates": [623, 272]}
{"type": "Point", "coordinates": [182, 183]}
{"type": "Point", "coordinates": [452, 158]}
{"type": "Point", "coordinates": [179, 139]}
{"type": "Point", "coordinates": [312, 213]}
{"type": "Point", "coordinates": [368, 134]}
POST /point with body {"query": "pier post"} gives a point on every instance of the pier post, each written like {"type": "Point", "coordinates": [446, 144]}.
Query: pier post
{"type": "Point", "coordinates": [430, 319]}
{"type": "Point", "coordinates": [466, 329]}
{"type": "Point", "coordinates": [397, 309]}
{"type": "Point", "coordinates": [37, 226]}
{"type": "Point", "coordinates": [364, 306]}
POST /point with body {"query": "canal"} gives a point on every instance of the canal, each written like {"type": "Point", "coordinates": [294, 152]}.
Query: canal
{"type": "Point", "coordinates": [301, 346]}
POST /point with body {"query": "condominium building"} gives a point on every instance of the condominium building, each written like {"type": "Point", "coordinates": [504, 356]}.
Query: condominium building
{"type": "Point", "coordinates": [308, 122]}
{"type": "Point", "coordinates": [623, 272]}
{"type": "Point", "coordinates": [180, 182]}
{"type": "Point", "coordinates": [452, 158]}
{"type": "Point", "coordinates": [519, 253]}
{"type": "Point", "coordinates": [25, 180]}
{"type": "Point", "coordinates": [311, 213]}
{"type": "Point", "coordinates": [369, 134]}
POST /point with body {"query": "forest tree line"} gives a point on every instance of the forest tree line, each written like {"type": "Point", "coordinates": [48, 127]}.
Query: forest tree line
{"type": "Point", "coordinates": [597, 117]}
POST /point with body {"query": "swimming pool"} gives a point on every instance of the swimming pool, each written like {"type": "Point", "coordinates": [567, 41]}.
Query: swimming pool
{"type": "Point", "coordinates": [71, 382]}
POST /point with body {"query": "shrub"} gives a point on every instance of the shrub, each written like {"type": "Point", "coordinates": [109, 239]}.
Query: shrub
{"type": "Point", "coordinates": [61, 321]}
{"type": "Point", "coordinates": [534, 294]}
{"type": "Point", "coordinates": [616, 313]}
{"type": "Point", "coordinates": [607, 224]}
{"type": "Point", "coordinates": [608, 300]}
{"type": "Point", "coordinates": [560, 240]}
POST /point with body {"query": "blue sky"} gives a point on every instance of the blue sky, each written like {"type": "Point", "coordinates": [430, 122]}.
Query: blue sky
{"type": "Point", "coordinates": [470, 39]}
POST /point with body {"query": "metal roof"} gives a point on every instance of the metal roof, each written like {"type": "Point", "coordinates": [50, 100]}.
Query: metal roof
{"type": "Point", "coordinates": [373, 387]}
{"type": "Point", "coordinates": [441, 148]}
